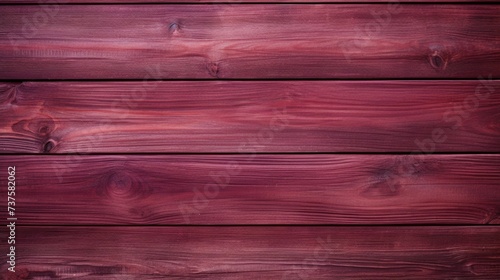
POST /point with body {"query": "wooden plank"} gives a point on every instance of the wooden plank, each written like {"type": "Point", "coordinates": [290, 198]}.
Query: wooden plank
{"type": "Point", "coordinates": [256, 253]}
{"type": "Point", "coordinates": [249, 41]}
{"type": "Point", "coordinates": [262, 189]}
{"type": "Point", "coordinates": [245, 116]}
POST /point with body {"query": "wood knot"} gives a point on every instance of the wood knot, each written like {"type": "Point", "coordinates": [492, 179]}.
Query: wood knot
{"type": "Point", "coordinates": [122, 185]}
{"type": "Point", "coordinates": [392, 175]}
{"type": "Point", "coordinates": [41, 126]}
{"type": "Point", "coordinates": [174, 28]}
{"type": "Point", "coordinates": [48, 146]}
{"type": "Point", "coordinates": [437, 61]}
{"type": "Point", "coordinates": [213, 69]}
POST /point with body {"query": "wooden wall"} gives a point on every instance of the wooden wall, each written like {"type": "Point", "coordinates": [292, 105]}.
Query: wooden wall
{"type": "Point", "coordinates": [275, 139]}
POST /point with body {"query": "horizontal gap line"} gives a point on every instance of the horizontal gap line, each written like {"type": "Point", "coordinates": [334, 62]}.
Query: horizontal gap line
{"type": "Point", "coordinates": [243, 154]}
{"type": "Point", "coordinates": [242, 80]}
{"type": "Point", "coordinates": [266, 225]}
{"type": "Point", "coordinates": [254, 3]}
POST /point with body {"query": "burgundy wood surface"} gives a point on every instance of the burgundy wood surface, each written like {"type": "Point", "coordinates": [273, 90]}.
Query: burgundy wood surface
{"type": "Point", "coordinates": [265, 189]}
{"type": "Point", "coordinates": [122, 176]}
{"type": "Point", "coordinates": [257, 253]}
{"type": "Point", "coordinates": [249, 41]}
{"type": "Point", "coordinates": [251, 116]}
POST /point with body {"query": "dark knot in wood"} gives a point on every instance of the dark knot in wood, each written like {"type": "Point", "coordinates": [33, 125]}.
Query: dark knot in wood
{"type": "Point", "coordinates": [119, 184]}
{"type": "Point", "coordinates": [48, 146]}
{"type": "Point", "coordinates": [174, 28]}
{"type": "Point", "coordinates": [437, 61]}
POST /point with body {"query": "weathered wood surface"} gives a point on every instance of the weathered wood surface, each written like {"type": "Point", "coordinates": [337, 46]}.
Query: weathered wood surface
{"type": "Point", "coordinates": [249, 41]}
{"type": "Point", "coordinates": [250, 116]}
{"type": "Point", "coordinates": [284, 253]}
{"type": "Point", "coordinates": [261, 189]}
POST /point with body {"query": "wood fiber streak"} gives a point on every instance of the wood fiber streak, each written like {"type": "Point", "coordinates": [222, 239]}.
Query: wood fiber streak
{"type": "Point", "coordinates": [257, 116]}
{"type": "Point", "coordinates": [249, 41]}
{"type": "Point", "coordinates": [262, 189]}
{"type": "Point", "coordinates": [284, 253]}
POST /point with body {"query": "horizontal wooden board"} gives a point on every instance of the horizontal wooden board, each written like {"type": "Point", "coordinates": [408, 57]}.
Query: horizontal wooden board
{"type": "Point", "coordinates": [249, 41]}
{"type": "Point", "coordinates": [262, 189]}
{"type": "Point", "coordinates": [287, 253]}
{"type": "Point", "coordinates": [250, 116]}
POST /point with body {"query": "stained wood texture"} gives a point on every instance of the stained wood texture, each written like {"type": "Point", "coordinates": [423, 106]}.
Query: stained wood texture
{"type": "Point", "coordinates": [265, 189]}
{"type": "Point", "coordinates": [249, 41]}
{"type": "Point", "coordinates": [250, 117]}
{"type": "Point", "coordinates": [257, 253]}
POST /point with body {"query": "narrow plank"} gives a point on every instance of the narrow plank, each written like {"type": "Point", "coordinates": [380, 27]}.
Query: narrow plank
{"type": "Point", "coordinates": [249, 41]}
{"type": "Point", "coordinates": [262, 189]}
{"type": "Point", "coordinates": [256, 253]}
{"type": "Point", "coordinates": [250, 116]}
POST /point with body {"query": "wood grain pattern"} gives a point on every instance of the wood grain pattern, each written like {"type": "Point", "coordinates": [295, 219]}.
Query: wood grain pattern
{"type": "Point", "coordinates": [262, 189]}
{"type": "Point", "coordinates": [284, 253]}
{"type": "Point", "coordinates": [136, 215]}
{"type": "Point", "coordinates": [249, 41]}
{"type": "Point", "coordinates": [251, 117]}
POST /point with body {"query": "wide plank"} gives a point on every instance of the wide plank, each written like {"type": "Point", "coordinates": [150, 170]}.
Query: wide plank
{"type": "Point", "coordinates": [286, 253]}
{"type": "Point", "coordinates": [255, 189]}
{"type": "Point", "coordinates": [249, 41]}
{"type": "Point", "coordinates": [250, 116]}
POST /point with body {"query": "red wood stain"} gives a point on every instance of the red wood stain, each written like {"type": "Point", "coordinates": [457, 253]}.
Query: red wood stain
{"type": "Point", "coordinates": [249, 139]}
{"type": "Point", "coordinates": [251, 116]}
{"type": "Point", "coordinates": [250, 41]}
